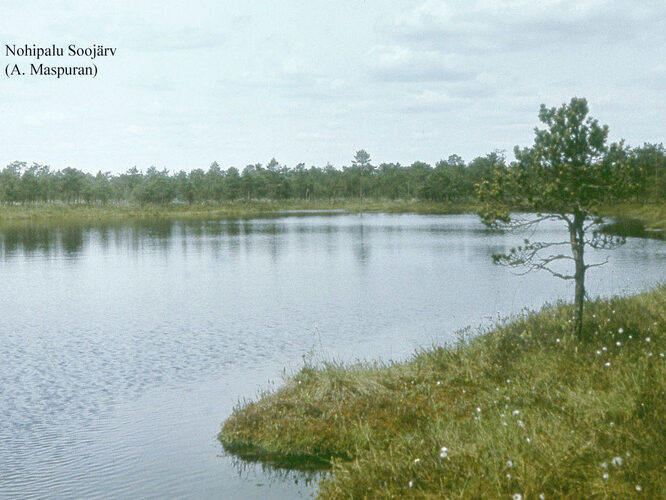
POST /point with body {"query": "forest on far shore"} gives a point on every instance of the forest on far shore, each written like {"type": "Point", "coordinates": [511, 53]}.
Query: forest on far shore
{"type": "Point", "coordinates": [448, 180]}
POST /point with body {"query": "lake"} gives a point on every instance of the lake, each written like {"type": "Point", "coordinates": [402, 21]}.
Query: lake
{"type": "Point", "coordinates": [124, 346]}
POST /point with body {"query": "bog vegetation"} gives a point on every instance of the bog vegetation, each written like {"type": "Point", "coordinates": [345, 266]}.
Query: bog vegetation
{"type": "Point", "coordinates": [526, 410]}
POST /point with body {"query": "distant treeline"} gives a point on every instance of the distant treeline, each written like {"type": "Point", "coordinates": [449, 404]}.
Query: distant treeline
{"type": "Point", "coordinates": [449, 180]}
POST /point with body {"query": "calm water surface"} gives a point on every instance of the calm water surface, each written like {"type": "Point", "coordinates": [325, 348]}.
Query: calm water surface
{"type": "Point", "coordinates": [124, 346]}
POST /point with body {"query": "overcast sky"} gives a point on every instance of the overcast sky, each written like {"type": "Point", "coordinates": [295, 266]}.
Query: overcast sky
{"type": "Point", "coordinates": [240, 82]}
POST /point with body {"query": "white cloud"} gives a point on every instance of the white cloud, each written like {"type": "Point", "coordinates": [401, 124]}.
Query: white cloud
{"type": "Point", "coordinates": [491, 26]}
{"type": "Point", "coordinates": [656, 77]}
{"type": "Point", "coordinates": [401, 63]}
{"type": "Point", "coordinates": [134, 130]}
{"type": "Point", "coordinates": [140, 34]}
{"type": "Point", "coordinates": [430, 101]}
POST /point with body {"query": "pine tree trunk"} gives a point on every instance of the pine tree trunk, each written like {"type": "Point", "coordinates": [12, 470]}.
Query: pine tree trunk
{"type": "Point", "coordinates": [360, 185]}
{"type": "Point", "coordinates": [577, 247]}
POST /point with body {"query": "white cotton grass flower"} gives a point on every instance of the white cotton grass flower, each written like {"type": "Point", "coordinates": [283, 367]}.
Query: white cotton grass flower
{"type": "Point", "coordinates": [638, 487]}
{"type": "Point", "coordinates": [443, 452]}
{"type": "Point", "coordinates": [516, 412]}
{"type": "Point", "coordinates": [517, 496]}
{"type": "Point", "coordinates": [520, 423]}
{"type": "Point", "coordinates": [605, 476]}
{"type": "Point", "coordinates": [478, 410]}
{"type": "Point", "coordinates": [417, 460]}
{"type": "Point", "coordinates": [620, 330]}
{"type": "Point", "coordinates": [617, 461]}
{"type": "Point", "coordinates": [542, 496]}
{"type": "Point", "coordinates": [647, 339]}
{"type": "Point", "coordinates": [618, 343]}
{"type": "Point", "coordinates": [607, 363]}
{"type": "Point", "coordinates": [509, 463]}
{"type": "Point", "coordinates": [604, 465]}
{"type": "Point", "coordinates": [411, 484]}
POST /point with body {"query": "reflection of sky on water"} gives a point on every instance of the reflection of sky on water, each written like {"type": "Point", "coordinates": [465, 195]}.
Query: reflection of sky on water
{"type": "Point", "coordinates": [124, 345]}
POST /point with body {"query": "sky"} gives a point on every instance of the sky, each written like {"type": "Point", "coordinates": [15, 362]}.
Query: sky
{"type": "Point", "coordinates": [242, 82]}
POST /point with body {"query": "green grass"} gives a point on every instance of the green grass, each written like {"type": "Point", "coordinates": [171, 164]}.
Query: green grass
{"type": "Point", "coordinates": [652, 216]}
{"type": "Point", "coordinates": [86, 213]}
{"type": "Point", "coordinates": [521, 409]}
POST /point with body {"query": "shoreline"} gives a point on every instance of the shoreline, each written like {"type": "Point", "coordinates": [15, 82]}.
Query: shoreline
{"type": "Point", "coordinates": [628, 219]}
{"type": "Point", "coordinates": [636, 220]}
{"type": "Point", "coordinates": [522, 408]}
{"type": "Point", "coordinates": [238, 209]}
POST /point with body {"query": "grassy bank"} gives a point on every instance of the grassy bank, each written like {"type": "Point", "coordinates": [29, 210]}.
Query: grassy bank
{"type": "Point", "coordinates": [651, 216]}
{"type": "Point", "coordinates": [83, 212]}
{"type": "Point", "coordinates": [642, 220]}
{"type": "Point", "coordinates": [522, 409]}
